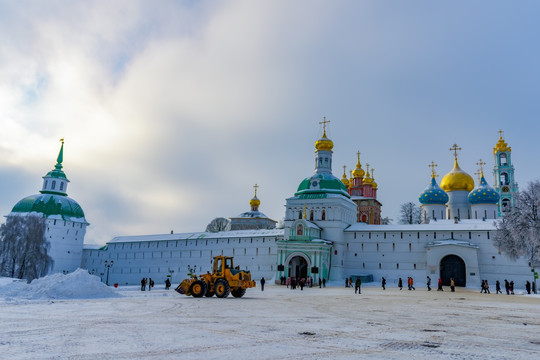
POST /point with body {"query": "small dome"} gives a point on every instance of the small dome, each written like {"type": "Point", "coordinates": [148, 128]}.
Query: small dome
{"type": "Point", "coordinates": [324, 143]}
{"type": "Point", "coordinates": [358, 172]}
{"type": "Point", "coordinates": [457, 179]}
{"type": "Point", "coordinates": [255, 202]}
{"type": "Point", "coordinates": [50, 204]}
{"type": "Point", "coordinates": [484, 194]}
{"type": "Point", "coordinates": [433, 194]}
{"type": "Point", "coordinates": [344, 179]}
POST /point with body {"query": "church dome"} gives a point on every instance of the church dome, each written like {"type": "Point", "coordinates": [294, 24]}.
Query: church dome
{"type": "Point", "coordinates": [483, 194]}
{"type": "Point", "coordinates": [344, 179]}
{"type": "Point", "coordinates": [255, 202]}
{"type": "Point", "coordinates": [324, 143]}
{"type": "Point", "coordinates": [433, 194]}
{"type": "Point", "coordinates": [457, 179]}
{"type": "Point", "coordinates": [50, 204]}
{"type": "Point", "coordinates": [322, 183]}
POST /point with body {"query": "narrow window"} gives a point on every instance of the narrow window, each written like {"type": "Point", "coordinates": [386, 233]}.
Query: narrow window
{"type": "Point", "coordinates": [363, 265]}
{"type": "Point", "coordinates": [53, 185]}
{"type": "Point", "coordinates": [377, 246]}
{"type": "Point", "coordinates": [323, 217]}
{"type": "Point", "coordinates": [470, 235]}
{"type": "Point", "coordinates": [62, 186]}
{"type": "Point", "coordinates": [311, 216]}
{"type": "Point", "coordinates": [379, 265]}
{"type": "Point", "coordinates": [410, 247]}
{"type": "Point", "coordinates": [300, 214]}
{"type": "Point", "coordinates": [414, 266]}
{"type": "Point", "coordinates": [393, 246]}
{"type": "Point", "coordinates": [397, 266]}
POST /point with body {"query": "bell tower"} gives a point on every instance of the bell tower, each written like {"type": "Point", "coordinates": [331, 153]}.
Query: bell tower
{"type": "Point", "coordinates": [503, 175]}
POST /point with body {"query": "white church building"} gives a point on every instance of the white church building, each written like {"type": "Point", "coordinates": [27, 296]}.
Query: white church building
{"type": "Point", "coordinates": [328, 233]}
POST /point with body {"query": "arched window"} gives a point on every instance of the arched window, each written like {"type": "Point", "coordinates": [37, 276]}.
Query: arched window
{"type": "Point", "coordinates": [53, 185]}
{"type": "Point", "coordinates": [62, 186]}
{"type": "Point", "coordinates": [504, 179]}
{"type": "Point", "coordinates": [300, 214]}
{"type": "Point", "coordinates": [311, 216]}
{"type": "Point", "coordinates": [323, 216]}
{"type": "Point", "coordinates": [502, 159]}
{"type": "Point", "coordinates": [506, 205]}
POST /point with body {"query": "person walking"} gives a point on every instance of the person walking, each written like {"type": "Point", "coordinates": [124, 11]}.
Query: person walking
{"type": "Point", "coordinates": [512, 287]}
{"type": "Point", "coordinates": [528, 287]}
{"type": "Point", "coordinates": [262, 283]}
{"type": "Point", "coordinates": [400, 284]}
{"type": "Point", "coordinates": [150, 284]}
{"type": "Point", "coordinates": [346, 282]}
{"type": "Point", "coordinates": [507, 286]}
{"type": "Point", "coordinates": [358, 285]}
{"type": "Point", "coordinates": [143, 284]}
{"type": "Point", "coordinates": [167, 284]}
{"type": "Point", "coordinates": [320, 283]}
{"type": "Point", "coordinates": [486, 284]}
{"type": "Point", "coordinates": [323, 282]}
{"type": "Point", "coordinates": [383, 283]}
{"type": "Point", "coordinates": [428, 282]}
{"type": "Point", "coordinates": [288, 281]}
{"type": "Point", "coordinates": [452, 285]}
{"type": "Point", "coordinates": [498, 287]}
{"type": "Point", "coordinates": [411, 282]}
{"type": "Point", "coordinates": [301, 282]}
{"type": "Point", "coordinates": [439, 285]}
{"type": "Point", "coordinates": [483, 287]}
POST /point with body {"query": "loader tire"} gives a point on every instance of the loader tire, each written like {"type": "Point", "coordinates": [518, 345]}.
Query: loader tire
{"type": "Point", "coordinates": [222, 288]}
{"type": "Point", "coordinates": [238, 292]}
{"type": "Point", "coordinates": [198, 288]}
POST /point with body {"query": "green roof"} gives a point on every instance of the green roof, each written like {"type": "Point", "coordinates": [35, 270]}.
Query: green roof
{"type": "Point", "coordinates": [50, 204]}
{"type": "Point", "coordinates": [322, 184]}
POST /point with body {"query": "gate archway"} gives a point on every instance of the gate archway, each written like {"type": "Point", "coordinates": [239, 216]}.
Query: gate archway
{"type": "Point", "coordinates": [452, 266]}
{"type": "Point", "coordinates": [298, 267]}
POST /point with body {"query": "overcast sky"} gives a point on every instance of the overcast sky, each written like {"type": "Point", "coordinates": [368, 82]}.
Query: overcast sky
{"type": "Point", "coordinates": [172, 110]}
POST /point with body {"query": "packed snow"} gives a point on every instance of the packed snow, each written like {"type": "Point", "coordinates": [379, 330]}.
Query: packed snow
{"type": "Point", "coordinates": [76, 285]}
{"type": "Point", "coordinates": [277, 323]}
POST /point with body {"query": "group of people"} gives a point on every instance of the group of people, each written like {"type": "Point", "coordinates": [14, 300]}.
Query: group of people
{"type": "Point", "coordinates": [293, 282]}
{"type": "Point", "coordinates": [148, 282]}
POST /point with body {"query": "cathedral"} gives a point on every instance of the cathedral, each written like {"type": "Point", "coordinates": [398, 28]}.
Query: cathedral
{"type": "Point", "coordinates": [332, 229]}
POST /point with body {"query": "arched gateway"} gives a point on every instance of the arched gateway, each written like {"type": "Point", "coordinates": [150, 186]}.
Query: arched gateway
{"type": "Point", "coordinates": [452, 266]}
{"type": "Point", "coordinates": [298, 267]}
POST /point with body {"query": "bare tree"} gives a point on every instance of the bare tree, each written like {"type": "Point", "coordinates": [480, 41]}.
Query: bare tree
{"type": "Point", "coordinates": [218, 224]}
{"type": "Point", "coordinates": [410, 214]}
{"type": "Point", "coordinates": [386, 221]}
{"type": "Point", "coordinates": [518, 234]}
{"type": "Point", "coordinates": [24, 248]}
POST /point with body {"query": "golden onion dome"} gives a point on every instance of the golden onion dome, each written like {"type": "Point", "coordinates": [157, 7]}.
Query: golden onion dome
{"type": "Point", "coordinates": [255, 202]}
{"type": "Point", "coordinates": [358, 172]}
{"type": "Point", "coordinates": [324, 143]}
{"type": "Point", "coordinates": [457, 180]}
{"type": "Point", "coordinates": [344, 179]}
{"type": "Point", "coordinates": [501, 145]}
{"type": "Point", "coordinates": [373, 183]}
{"type": "Point", "coordinates": [367, 178]}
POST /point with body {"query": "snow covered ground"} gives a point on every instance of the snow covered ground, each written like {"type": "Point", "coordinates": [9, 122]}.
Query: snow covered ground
{"type": "Point", "coordinates": [328, 323]}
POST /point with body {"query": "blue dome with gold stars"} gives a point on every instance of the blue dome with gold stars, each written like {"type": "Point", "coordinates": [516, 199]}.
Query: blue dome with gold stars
{"type": "Point", "coordinates": [483, 194]}
{"type": "Point", "coordinates": [433, 194]}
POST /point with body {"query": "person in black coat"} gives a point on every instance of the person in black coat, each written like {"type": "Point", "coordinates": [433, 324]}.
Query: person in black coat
{"type": "Point", "coordinates": [262, 284]}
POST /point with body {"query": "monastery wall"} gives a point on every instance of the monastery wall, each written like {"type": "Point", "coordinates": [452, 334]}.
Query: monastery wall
{"type": "Point", "coordinates": [158, 256]}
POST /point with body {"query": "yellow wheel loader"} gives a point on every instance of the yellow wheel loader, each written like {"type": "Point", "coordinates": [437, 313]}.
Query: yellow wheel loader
{"type": "Point", "coordinates": [223, 280]}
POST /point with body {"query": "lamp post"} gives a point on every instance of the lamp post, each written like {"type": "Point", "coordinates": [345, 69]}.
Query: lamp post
{"type": "Point", "coordinates": [108, 265]}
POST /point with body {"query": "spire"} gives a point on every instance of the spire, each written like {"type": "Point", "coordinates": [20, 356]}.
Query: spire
{"type": "Point", "coordinates": [60, 158]}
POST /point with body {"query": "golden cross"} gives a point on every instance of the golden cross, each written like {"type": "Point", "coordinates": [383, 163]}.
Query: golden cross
{"type": "Point", "coordinates": [478, 173]}
{"type": "Point", "coordinates": [455, 149]}
{"type": "Point", "coordinates": [358, 153]}
{"type": "Point", "coordinates": [367, 171]}
{"type": "Point", "coordinates": [344, 170]}
{"type": "Point", "coordinates": [324, 122]}
{"type": "Point", "coordinates": [433, 166]}
{"type": "Point", "coordinates": [501, 133]}
{"type": "Point", "coordinates": [481, 164]}
{"type": "Point", "coordinates": [256, 186]}
{"type": "Point", "coordinates": [372, 173]}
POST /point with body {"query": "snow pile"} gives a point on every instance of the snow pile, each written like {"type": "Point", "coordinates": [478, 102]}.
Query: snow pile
{"type": "Point", "coordinates": [76, 285]}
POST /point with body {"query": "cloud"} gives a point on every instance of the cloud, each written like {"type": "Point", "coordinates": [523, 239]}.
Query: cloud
{"type": "Point", "coordinates": [172, 113]}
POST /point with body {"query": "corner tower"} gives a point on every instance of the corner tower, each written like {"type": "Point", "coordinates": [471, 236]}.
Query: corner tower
{"type": "Point", "coordinates": [66, 224]}
{"type": "Point", "coordinates": [503, 175]}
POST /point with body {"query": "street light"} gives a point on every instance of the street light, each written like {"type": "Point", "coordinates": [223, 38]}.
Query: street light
{"type": "Point", "coordinates": [108, 266]}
